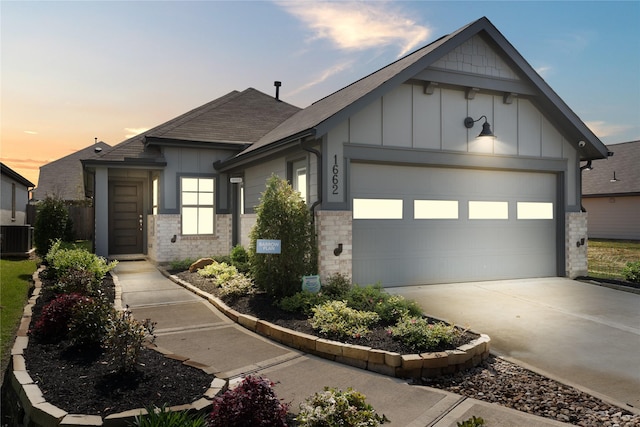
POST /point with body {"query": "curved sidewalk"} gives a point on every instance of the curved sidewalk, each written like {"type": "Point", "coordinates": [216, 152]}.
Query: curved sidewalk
{"type": "Point", "coordinates": [193, 328]}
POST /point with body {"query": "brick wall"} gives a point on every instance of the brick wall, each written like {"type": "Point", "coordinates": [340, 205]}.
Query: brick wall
{"type": "Point", "coordinates": [247, 221]}
{"type": "Point", "coordinates": [333, 228]}
{"type": "Point", "coordinates": [576, 256]}
{"type": "Point", "coordinates": [163, 228]}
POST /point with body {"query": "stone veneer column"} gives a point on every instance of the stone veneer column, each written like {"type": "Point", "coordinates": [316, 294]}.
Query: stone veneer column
{"type": "Point", "coordinates": [576, 256]}
{"type": "Point", "coordinates": [333, 228]}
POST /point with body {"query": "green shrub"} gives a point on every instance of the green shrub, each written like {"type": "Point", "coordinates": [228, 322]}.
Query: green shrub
{"type": "Point", "coordinates": [164, 417]}
{"type": "Point", "coordinates": [125, 338]}
{"type": "Point", "coordinates": [252, 403]}
{"type": "Point", "coordinates": [335, 318]}
{"type": "Point", "coordinates": [181, 264]}
{"type": "Point", "coordinates": [471, 422]}
{"type": "Point", "coordinates": [240, 259]}
{"type": "Point", "coordinates": [52, 223]}
{"type": "Point", "coordinates": [61, 261]}
{"type": "Point", "coordinates": [421, 336]}
{"type": "Point", "coordinates": [390, 308]}
{"type": "Point", "coordinates": [336, 286]}
{"type": "Point", "coordinates": [237, 286]}
{"type": "Point", "coordinates": [76, 281]}
{"type": "Point", "coordinates": [631, 272]}
{"type": "Point", "coordinates": [90, 321]}
{"type": "Point", "coordinates": [334, 407]}
{"type": "Point", "coordinates": [302, 302]}
{"type": "Point", "coordinates": [219, 271]}
{"type": "Point", "coordinates": [283, 215]}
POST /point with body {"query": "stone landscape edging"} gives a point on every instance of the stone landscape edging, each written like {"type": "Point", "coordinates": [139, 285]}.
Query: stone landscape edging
{"type": "Point", "coordinates": [423, 365]}
{"type": "Point", "coordinates": [39, 413]}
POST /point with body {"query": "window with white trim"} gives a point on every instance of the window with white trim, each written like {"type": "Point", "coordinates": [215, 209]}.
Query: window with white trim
{"type": "Point", "coordinates": [197, 205]}
{"type": "Point", "coordinates": [299, 178]}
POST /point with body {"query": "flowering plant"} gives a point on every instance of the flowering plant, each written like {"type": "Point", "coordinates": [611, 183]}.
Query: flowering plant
{"type": "Point", "coordinates": [334, 407]}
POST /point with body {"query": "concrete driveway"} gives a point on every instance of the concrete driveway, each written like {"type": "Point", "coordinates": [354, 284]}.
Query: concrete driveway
{"type": "Point", "coordinates": [583, 335]}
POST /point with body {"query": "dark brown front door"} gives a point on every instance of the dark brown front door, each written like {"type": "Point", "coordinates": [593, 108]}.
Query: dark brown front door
{"type": "Point", "coordinates": [125, 217]}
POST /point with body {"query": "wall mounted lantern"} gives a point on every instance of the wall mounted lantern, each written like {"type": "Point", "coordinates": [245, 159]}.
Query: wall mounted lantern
{"type": "Point", "coordinates": [486, 127]}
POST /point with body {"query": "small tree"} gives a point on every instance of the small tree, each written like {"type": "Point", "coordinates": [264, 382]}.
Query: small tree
{"type": "Point", "coordinates": [284, 216]}
{"type": "Point", "coordinates": [52, 222]}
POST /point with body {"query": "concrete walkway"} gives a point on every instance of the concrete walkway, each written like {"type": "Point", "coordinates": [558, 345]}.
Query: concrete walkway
{"type": "Point", "coordinates": [190, 326]}
{"type": "Point", "coordinates": [581, 334]}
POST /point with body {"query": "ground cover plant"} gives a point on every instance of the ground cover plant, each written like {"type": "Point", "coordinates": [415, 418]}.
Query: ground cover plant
{"type": "Point", "coordinates": [608, 258]}
{"type": "Point", "coordinates": [15, 277]}
{"type": "Point", "coordinates": [88, 358]}
{"type": "Point", "coordinates": [363, 315]}
{"type": "Point", "coordinates": [334, 407]}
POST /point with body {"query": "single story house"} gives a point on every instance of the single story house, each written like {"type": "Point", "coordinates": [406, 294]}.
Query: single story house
{"type": "Point", "coordinates": [64, 178]}
{"type": "Point", "coordinates": [611, 193]}
{"type": "Point", "coordinates": [402, 189]}
{"type": "Point", "coordinates": [16, 235]}
{"type": "Point", "coordinates": [15, 196]}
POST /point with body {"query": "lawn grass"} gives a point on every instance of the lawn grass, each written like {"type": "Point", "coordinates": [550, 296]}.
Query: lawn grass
{"type": "Point", "coordinates": [607, 258]}
{"type": "Point", "coordinates": [14, 290]}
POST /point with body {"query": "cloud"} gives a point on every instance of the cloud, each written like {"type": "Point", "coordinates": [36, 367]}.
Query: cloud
{"type": "Point", "coordinates": [25, 163]}
{"type": "Point", "coordinates": [603, 129]}
{"type": "Point", "coordinates": [543, 70]}
{"type": "Point", "coordinates": [323, 76]}
{"type": "Point", "coordinates": [31, 132]}
{"type": "Point", "coordinates": [131, 132]}
{"type": "Point", "coordinates": [359, 25]}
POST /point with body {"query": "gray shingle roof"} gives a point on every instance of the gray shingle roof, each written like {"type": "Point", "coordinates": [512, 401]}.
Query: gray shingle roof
{"type": "Point", "coordinates": [235, 118]}
{"type": "Point", "coordinates": [6, 170]}
{"type": "Point", "coordinates": [625, 162]}
{"type": "Point", "coordinates": [64, 178]}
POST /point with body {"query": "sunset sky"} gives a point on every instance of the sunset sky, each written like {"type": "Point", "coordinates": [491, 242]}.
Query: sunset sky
{"type": "Point", "coordinates": [75, 71]}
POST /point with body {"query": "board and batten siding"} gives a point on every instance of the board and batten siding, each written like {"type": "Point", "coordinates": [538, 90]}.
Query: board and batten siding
{"type": "Point", "coordinates": [189, 161]}
{"type": "Point", "coordinates": [406, 117]}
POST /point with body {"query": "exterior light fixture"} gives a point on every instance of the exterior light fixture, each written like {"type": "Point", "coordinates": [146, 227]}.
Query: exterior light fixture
{"type": "Point", "coordinates": [614, 179]}
{"type": "Point", "coordinates": [486, 127]}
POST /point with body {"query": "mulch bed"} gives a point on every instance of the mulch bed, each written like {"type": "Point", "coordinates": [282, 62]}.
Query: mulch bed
{"type": "Point", "coordinates": [81, 381]}
{"type": "Point", "coordinates": [262, 306]}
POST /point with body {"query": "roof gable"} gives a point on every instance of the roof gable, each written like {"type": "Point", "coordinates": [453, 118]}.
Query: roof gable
{"type": "Point", "coordinates": [317, 119]}
{"type": "Point", "coordinates": [624, 163]}
{"type": "Point", "coordinates": [7, 171]}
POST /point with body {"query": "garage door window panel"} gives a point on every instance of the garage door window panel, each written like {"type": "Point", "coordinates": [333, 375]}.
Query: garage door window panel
{"type": "Point", "coordinates": [435, 209]}
{"type": "Point", "coordinates": [488, 210]}
{"type": "Point", "coordinates": [198, 205]}
{"type": "Point", "coordinates": [535, 210]}
{"type": "Point", "coordinates": [377, 208]}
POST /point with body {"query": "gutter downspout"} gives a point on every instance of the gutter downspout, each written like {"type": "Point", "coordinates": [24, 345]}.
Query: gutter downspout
{"type": "Point", "coordinates": [582, 168]}
{"type": "Point", "coordinates": [319, 199]}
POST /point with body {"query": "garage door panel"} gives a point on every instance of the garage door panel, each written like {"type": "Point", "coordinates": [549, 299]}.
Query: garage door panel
{"type": "Point", "coordinates": [412, 251]}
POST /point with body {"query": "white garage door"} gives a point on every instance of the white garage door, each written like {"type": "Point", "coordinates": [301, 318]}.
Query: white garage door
{"type": "Point", "coordinates": [418, 225]}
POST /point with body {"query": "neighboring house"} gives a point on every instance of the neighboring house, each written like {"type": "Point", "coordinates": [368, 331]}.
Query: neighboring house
{"type": "Point", "coordinates": [16, 235]}
{"type": "Point", "coordinates": [402, 190]}
{"type": "Point", "coordinates": [15, 197]}
{"type": "Point", "coordinates": [611, 193]}
{"type": "Point", "coordinates": [64, 178]}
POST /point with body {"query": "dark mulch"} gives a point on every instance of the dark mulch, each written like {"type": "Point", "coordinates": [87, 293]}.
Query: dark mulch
{"type": "Point", "coordinates": [81, 381]}
{"type": "Point", "coordinates": [262, 306]}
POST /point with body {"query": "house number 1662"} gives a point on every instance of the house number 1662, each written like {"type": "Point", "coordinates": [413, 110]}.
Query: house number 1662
{"type": "Point", "coordinates": [335, 180]}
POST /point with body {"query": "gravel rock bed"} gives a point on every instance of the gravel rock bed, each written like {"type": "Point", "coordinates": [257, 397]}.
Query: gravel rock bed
{"type": "Point", "coordinates": [499, 381]}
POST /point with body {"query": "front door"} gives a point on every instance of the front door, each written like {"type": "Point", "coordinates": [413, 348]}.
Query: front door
{"type": "Point", "coordinates": [125, 218]}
